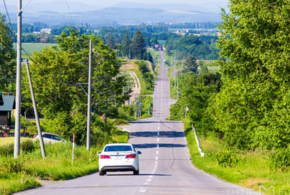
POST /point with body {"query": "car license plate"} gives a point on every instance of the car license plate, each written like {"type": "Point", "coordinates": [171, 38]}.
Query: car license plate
{"type": "Point", "coordinates": [118, 158]}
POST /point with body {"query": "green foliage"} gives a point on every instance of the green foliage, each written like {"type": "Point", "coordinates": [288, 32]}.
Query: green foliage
{"type": "Point", "coordinates": [23, 173]}
{"type": "Point", "coordinates": [199, 47]}
{"type": "Point", "coordinates": [280, 159]}
{"type": "Point", "coordinates": [138, 45]}
{"type": "Point", "coordinates": [145, 77]}
{"type": "Point", "coordinates": [126, 45]}
{"type": "Point", "coordinates": [7, 145]}
{"type": "Point", "coordinates": [153, 42]}
{"type": "Point", "coordinates": [203, 70]}
{"type": "Point", "coordinates": [196, 94]}
{"type": "Point", "coordinates": [190, 65]}
{"type": "Point", "coordinates": [120, 122]}
{"type": "Point", "coordinates": [227, 158]}
{"type": "Point", "coordinates": [251, 108]}
{"type": "Point", "coordinates": [7, 55]}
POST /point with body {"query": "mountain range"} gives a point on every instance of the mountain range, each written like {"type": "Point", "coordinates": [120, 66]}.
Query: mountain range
{"type": "Point", "coordinates": [61, 12]}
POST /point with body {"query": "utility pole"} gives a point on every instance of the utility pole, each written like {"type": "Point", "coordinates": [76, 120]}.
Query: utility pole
{"type": "Point", "coordinates": [149, 108]}
{"type": "Point", "coordinates": [18, 83]}
{"type": "Point", "coordinates": [129, 55]}
{"type": "Point", "coordinates": [35, 112]}
{"type": "Point", "coordinates": [177, 87]}
{"type": "Point", "coordinates": [89, 99]}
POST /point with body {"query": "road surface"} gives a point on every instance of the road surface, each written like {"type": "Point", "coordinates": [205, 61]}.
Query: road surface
{"type": "Point", "coordinates": [165, 167]}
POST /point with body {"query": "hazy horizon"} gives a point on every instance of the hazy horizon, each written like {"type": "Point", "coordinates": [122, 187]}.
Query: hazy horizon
{"type": "Point", "coordinates": [101, 3]}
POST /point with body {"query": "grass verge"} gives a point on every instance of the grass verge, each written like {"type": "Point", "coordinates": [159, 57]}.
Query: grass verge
{"type": "Point", "coordinates": [23, 173]}
{"type": "Point", "coordinates": [251, 169]}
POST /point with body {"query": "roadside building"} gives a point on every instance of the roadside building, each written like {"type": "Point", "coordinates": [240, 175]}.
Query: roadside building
{"type": "Point", "coordinates": [46, 30]}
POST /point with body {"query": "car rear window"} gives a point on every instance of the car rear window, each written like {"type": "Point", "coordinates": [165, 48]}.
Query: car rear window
{"type": "Point", "coordinates": [118, 148]}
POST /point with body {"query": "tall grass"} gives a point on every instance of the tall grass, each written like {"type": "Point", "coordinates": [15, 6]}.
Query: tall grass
{"type": "Point", "coordinates": [7, 145]}
{"type": "Point", "coordinates": [251, 169]}
{"type": "Point", "coordinates": [21, 174]}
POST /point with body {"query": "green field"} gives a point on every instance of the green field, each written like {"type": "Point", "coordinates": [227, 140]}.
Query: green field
{"type": "Point", "coordinates": [31, 47]}
{"type": "Point", "coordinates": [162, 42]}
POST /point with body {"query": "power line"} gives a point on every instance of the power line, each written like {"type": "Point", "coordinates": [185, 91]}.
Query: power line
{"type": "Point", "coordinates": [69, 12]}
{"type": "Point", "coordinates": [26, 5]}
{"type": "Point", "coordinates": [13, 32]}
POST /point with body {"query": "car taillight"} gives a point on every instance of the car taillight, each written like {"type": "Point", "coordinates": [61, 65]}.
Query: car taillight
{"type": "Point", "coordinates": [105, 156]}
{"type": "Point", "coordinates": [131, 156]}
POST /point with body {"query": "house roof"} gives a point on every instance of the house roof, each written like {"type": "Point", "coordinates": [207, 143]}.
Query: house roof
{"type": "Point", "coordinates": [9, 103]}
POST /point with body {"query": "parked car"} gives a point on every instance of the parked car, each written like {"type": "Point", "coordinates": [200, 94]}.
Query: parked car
{"type": "Point", "coordinates": [49, 138]}
{"type": "Point", "coordinates": [119, 157]}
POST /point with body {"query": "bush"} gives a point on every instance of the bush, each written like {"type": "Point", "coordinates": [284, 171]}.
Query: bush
{"type": "Point", "coordinates": [120, 122]}
{"type": "Point", "coordinates": [280, 159]}
{"type": "Point", "coordinates": [227, 158]}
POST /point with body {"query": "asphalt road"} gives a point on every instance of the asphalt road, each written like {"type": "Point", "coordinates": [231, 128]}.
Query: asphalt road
{"type": "Point", "coordinates": [165, 167]}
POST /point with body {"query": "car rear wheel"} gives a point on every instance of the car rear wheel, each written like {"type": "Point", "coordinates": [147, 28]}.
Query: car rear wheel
{"type": "Point", "coordinates": [102, 173]}
{"type": "Point", "coordinates": [136, 172]}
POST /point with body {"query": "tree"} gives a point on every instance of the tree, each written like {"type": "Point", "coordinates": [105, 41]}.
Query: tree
{"type": "Point", "coordinates": [190, 65]}
{"type": "Point", "coordinates": [138, 45]}
{"type": "Point", "coordinates": [153, 41]}
{"type": "Point", "coordinates": [252, 108]}
{"type": "Point", "coordinates": [55, 72]}
{"type": "Point", "coordinates": [110, 41]}
{"type": "Point", "coordinates": [7, 55]}
{"type": "Point", "coordinates": [126, 44]}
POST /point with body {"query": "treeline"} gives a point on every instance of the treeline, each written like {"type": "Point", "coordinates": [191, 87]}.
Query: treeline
{"type": "Point", "coordinates": [118, 34]}
{"type": "Point", "coordinates": [145, 28]}
{"type": "Point", "coordinates": [38, 38]}
{"type": "Point", "coordinates": [249, 105]}
{"type": "Point", "coordinates": [202, 48]}
{"type": "Point", "coordinates": [204, 25]}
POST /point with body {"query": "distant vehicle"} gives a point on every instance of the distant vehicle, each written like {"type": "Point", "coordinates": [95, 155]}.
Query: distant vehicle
{"type": "Point", "coordinates": [49, 138]}
{"type": "Point", "coordinates": [119, 157]}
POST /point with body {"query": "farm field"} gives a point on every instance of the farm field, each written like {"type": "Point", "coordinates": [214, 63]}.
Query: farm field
{"type": "Point", "coordinates": [31, 47]}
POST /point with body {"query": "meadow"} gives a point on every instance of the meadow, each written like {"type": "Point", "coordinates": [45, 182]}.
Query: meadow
{"type": "Point", "coordinates": [33, 47]}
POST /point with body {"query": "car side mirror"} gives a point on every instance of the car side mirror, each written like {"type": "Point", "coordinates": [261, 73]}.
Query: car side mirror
{"type": "Point", "coordinates": [99, 153]}
{"type": "Point", "coordinates": [139, 152]}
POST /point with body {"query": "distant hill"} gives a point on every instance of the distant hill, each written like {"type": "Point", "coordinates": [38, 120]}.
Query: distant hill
{"type": "Point", "coordinates": [57, 13]}
{"type": "Point", "coordinates": [200, 7]}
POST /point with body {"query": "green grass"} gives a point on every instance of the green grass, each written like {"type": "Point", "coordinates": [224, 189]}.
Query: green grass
{"type": "Point", "coordinates": [162, 42]}
{"type": "Point", "coordinates": [251, 171]}
{"type": "Point", "coordinates": [144, 90]}
{"type": "Point", "coordinates": [23, 173]}
{"type": "Point", "coordinates": [173, 92]}
{"type": "Point", "coordinates": [146, 100]}
{"type": "Point", "coordinates": [31, 47]}
{"type": "Point", "coordinates": [213, 69]}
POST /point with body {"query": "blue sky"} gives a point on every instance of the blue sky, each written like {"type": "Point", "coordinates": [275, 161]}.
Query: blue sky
{"type": "Point", "coordinates": [113, 2]}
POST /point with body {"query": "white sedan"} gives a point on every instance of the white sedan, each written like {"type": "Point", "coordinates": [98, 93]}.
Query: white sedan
{"type": "Point", "coordinates": [119, 157]}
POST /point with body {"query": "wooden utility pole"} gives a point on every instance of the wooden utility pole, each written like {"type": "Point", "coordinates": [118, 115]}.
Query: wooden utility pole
{"type": "Point", "coordinates": [18, 84]}
{"type": "Point", "coordinates": [89, 99]}
{"type": "Point", "coordinates": [35, 112]}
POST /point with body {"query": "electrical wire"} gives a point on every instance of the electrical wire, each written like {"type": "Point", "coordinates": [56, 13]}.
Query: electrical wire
{"type": "Point", "coordinates": [26, 5]}
{"type": "Point", "coordinates": [12, 30]}
{"type": "Point", "coordinates": [69, 12]}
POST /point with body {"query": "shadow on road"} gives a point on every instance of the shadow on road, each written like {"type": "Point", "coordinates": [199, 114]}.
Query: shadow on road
{"type": "Point", "coordinates": [148, 174]}
{"type": "Point", "coordinates": [162, 134]}
{"type": "Point", "coordinates": [133, 122]}
{"type": "Point", "coordinates": [160, 145]}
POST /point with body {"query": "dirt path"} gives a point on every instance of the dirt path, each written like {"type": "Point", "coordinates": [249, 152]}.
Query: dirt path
{"type": "Point", "coordinates": [137, 87]}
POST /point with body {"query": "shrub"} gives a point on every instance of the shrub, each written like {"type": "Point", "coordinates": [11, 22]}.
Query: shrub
{"type": "Point", "coordinates": [120, 122]}
{"type": "Point", "coordinates": [227, 158]}
{"type": "Point", "coordinates": [280, 159]}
